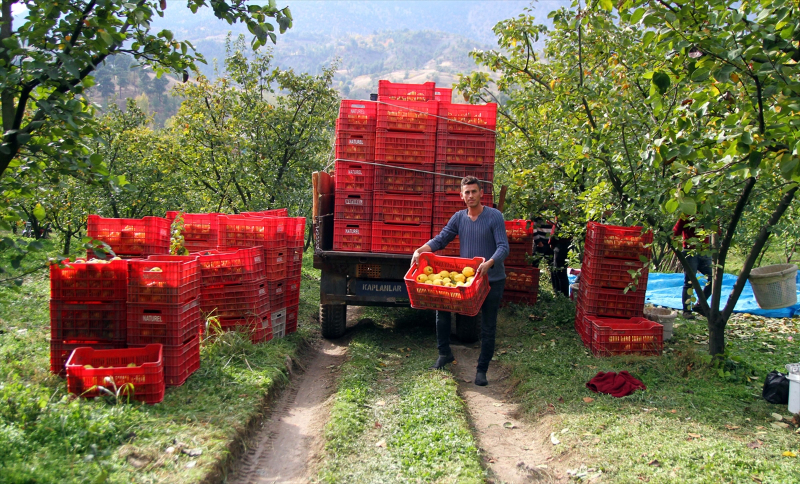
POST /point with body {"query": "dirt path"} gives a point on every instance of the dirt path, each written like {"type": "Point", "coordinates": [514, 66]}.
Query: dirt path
{"type": "Point", "coordinates": [514, 451]}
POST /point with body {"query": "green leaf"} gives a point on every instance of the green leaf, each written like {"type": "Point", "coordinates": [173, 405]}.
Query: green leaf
{"type": "Point", "coordinates": [38, 212]}
{"type": "Point", "coordinates": [788, 165]}
{"type": "Point", "coordinates": [687, 187]}
{"type": "Point", "coordinates": [688, 206]}
{"type": "Point", "coordinates": [607, 5]}
{"type": "Point", "coordinates": [637, 15]}
{"type": "Point", "coordinates": [661, 81]}
{"type": "Point", "coordinates": [671, 205]}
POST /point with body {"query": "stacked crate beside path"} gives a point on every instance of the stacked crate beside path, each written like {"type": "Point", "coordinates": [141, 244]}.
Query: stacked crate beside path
{"type": "Point", "coordinates": [87, 307]}
{"type": "Point", "coordinates": [199, 230]}
{"type": "Point", "coordinates": [465, 146]}
{"type": "Point", "coordinates": [522, 280]}
{"type": "Point", "coordinates": [405, 151]}
{"type": "Point", "coordinates": [354, 173]}
{"type": "Point", "coordinates": [131, 237]}
{"type": "Point", "coordinates": [164, 308]}
{"type": "Point", "coordinates": [610, 302]}
{"type": "Point", "coordinates": [295, 238]}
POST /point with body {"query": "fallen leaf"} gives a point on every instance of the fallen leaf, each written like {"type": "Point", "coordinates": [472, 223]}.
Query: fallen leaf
{"type": "Point", "coordinates": [191, 464]}
{"type": "Point", "coordinates": [380, 403]}
{"type": "Point", "coordinates": [780, 425]}
{"type": "Point", "coordinates": [467, 380]}
{"type": "Point", "coordinates": [381, 443]}
{"type": "Point", "coordinates": [192, 452]}
{"type": "Point", "coordinates": [732, 427]}
{"type": "Point", "coordinates": [492, 460]}
{"type": "Point", "coordinates": [553, 439]}
{"type": "Point", "coordinates": [789, 453]}
{"type": "Point", "coordinates": [777, 416]}
{"type": "Point", "coordinates": [508, 425]}
{"type": "Point", "coordinates": [378, 425]}
{"type": "Point", "coordinates": [695, 436]}
{"type": "Point", "coordinates": [560, 399]}
{"type": "Point", "coordinates": [497, 404]}
{"type": "Point", "coordinates": [673, 411]}
{"type": "Point", "coordinates": [654, 463]}
{"type": "Point", "coordinates": [588, 399]}
{"type": "Point", "coordinates": [756, 444]}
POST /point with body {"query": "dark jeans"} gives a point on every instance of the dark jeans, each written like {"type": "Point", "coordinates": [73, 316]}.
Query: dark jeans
{"type": "Point", "coordinates": [558, 272]}
{"type": "Point", "coordinates": [488, 326]}
{"type": "Point", "coordinates": [698, 263]}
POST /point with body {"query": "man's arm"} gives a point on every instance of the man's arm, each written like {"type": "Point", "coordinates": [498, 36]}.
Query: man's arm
{"type": "Point", "coordinates": [448, 233]}
{"type": "Point", "coordinates": [502, 249]}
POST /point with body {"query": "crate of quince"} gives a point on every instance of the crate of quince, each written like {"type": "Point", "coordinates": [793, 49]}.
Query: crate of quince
{"type": "Point", "coordinates": [447, 284]}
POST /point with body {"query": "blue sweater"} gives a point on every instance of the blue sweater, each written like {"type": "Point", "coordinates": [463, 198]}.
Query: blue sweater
{"type": "Point", "coordinates": [485, 237]}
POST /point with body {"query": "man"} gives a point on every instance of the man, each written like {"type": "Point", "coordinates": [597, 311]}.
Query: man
{"type": "Point", "coordinates": [555, 250]}
{"type": "Point", "coordinates": [482, 233]}
{"type": "Point", "coordinates": [702, 263]}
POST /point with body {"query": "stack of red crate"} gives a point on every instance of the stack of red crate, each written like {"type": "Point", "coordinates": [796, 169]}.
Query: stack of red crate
{"type": "Point", "coordinates": [87, 307]}
{"type": "Point", "coordinates": [609, 318]}
{"type": "Point", "coordinates": [164, 308]}
{"type": "Point", "coordinates": [199, 230]}
{"type": "Point", "coordinates": [355, 157]}
{"type": "Point", "coordinates": [295, 237]}
{"type": "Point", "coordinates": [131, 237]}
{"type": "Point", "coordinates": [522, 280]}
{"type": "Point", "coordinates": [406, 142]}
{"type": "Point", "coordinates": [465, 146]}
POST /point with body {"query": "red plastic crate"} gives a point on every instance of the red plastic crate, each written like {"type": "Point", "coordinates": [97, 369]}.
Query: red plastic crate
{"type": "Point", "coordinates": [291, 319]}
{"type": "Point", "coordinates": [354, 145]}
{"type": "Point", "coordinates": [164, 279]}
{"type": "Point", "coordinates": [143, 382]}
{"type": "Point", "coordinates": [611, 302]}
{"type": "Point", "coordinates": [358, 115]}
{"type": "Point", "coordinates": [448, 177]}
{"type": "Point", "coordinates": [232, 267]}
{"type": "Point", "coordinates": [414, 116]}
{"type": "Point", "coordinates": [60, 352]}
{"type": "Point", "coordinates": [612, 273]}
{"type": "Point", "coordinates": [273, 212]}
{"type": "Point", "coordinates": [353, 206]}
{"type": "Point", "coordinates": [167, 324]}
{"type": "Point", "coordinates": [258, 329]}
{"type": "Point", "coordinates": [89, 281]}
{"type": "Point", "coordinates": [412, 179]}
{"type": "Point", "coordinates": [354, 177]}
{"type": "Point", "coordinates": [518, 257]}
{"type": "Point", "coordinates": [468, 118]}
{"type": "Point", "coordinates": [276, 263]}
{"type": "Point", "coordinates": [295, 232]}
{"type": "Point", "coordinates": [405, 209]}
{"type": "Point", "coordinates": [199, 245]}
{"type": "Point", "coordinates": [527, 298]}
{"type": "Point", "coordinates": [465, 149]}
{"type": "Point", "coordinates": [443, 94]}
{"type": "Point", "coordinates": [522, 279]}
{"type": "Point", "coordinates": [616, 242]}
{"type": "Point", "coordinates": [444, 206]}
{"type": "Point", "coordinates": [398, 148]}
{"type": "Point", "coordinates": [276, 291]}
{"type": "Point", "coordinates": [350, 236]}
{"type": "Point", "coordinates": [279, 323]}
{"type": "Point", "coordinates": [102, 322]}
{"type": "Point", "coordinates": [583, 327]}
{"type": "Point", "coordinates": [637, 336]}
{"type": "Point", "coordinates": [242, 231]}
{"type": "Point", "coordinates": [198, 226]}
{"type": "Point", "coordinates": [181, 361]}
{"type": "Point", "coordinates": [292, 287]}
{"type": "Point", "coordinates": [453, 249]}
{"type": "Point", "coordinates": [235, 301]}
{"type": "Point", "coordinates": [520, 232]}
{"type": "Point", "coordinates": [463, 300]}
{"type": "Point", "coordinates": [396, 91]}
{"type": "Point", "coordinates": [398, 239]}
{"type": "Point", "coordinates": [294, 265]}
{"type": "Point", "coordinates": [130, 236]}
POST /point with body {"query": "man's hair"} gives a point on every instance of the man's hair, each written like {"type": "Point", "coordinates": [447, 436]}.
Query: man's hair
{"type": "Point", "coordinates": [470, 180]}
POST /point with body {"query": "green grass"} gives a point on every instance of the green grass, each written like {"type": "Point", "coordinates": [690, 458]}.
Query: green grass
{"type": "Point", "coordinates": [692, 424]}
{"type": "Point", "coordinates": [393, 420]}
{"type": "Point", "coordinates": [47, 435]}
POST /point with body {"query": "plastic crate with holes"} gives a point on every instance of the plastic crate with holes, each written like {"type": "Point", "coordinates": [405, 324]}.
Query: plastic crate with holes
{"type": "Point", "coordinates": [276, 291]}
{"type": "Point", "coordinates": [444, 206]}
{"type": "Point", "coordinates": [130, 373]}
{"type": "Point", "coordinates": [402, 209]}
{"type": "Point", "coordinates": [295, 232]}
{"type": "Point", "coordinates": [631, 336]}
{"type": "Point", "coordinates": [292, 291]}
{"type": "Point", "coordinates": [167, 324]}
{"type": "Point", "coordinates": [465, 299]}
{"type": "Point", "coordinates": [164, 279]}
{"type": "Point", "coordinates": [459, 149]}
{"type": "Point", "coordinates": [243, 231]}
{"type": "Point", "coordinates": [233, 266]}
{"type": "Point", "coordinates": [181, 361]}
{"type": "Point", "coordinates": [398, 239]}
{"type": "Point", "coordinates": [474, 119]}
{"type": "Point", "coordinates": [395, 91]}
{"type": "Point", "coordinates": [611, 302]}
{"type": "Point", "coordinates": [198, 227]}
{"type": "Point", "coordinates": [294, 263]}
{"type": "Point", "coordinates": [235, 301]}
{"type": "Point", "coordinates": [92, 280]}
{"type": "Point", "coordinates": [357, 115]}
{"type": "Point", "coordinates": [258, 329]}
{"type": "Point", "coordinates": [354, 145]}
{"type": "Point", "coordinates": [522, 279]}
{"type": "Point", "coordinates": [199, 245]}
{"type": "Point", "coordinates": [273, 212]}
{"type": "Point", "coordinates": [278, 321]}
{"type": "Point", "coordinates": [291, 318]}
{"type": "Point", "coordinates": [353, 206]}
{"type": "Point", "coordinates": [275, 263]}
{"type": "Point", "coordinates": [131, 236]}
{"type": "Point", "coordinates": [520, 232]}
{"type": "Point", "coordinates": [352, 236]}
{"type": "Point", "coordinates": [412, 116]}
{"type": "Point", "coordinates": [448, 177]}
{"type": "Point", "coordinates": [583, 327]}
{"type": "Point", "coordinates": [518, 257]}
{"type": "Point", "coordinates": [611, 241]}
{"type": "Point", "coordinates": [354, 177]}
{"type": "Point", "coordinates": [613, 273]}
{"type": "Point", "coordinates": [398, 148]}
{"type": "Point", "coordinates": [97, 321]}
{"type": "Point", "coordinates": [411, 179]}
{"type": "Point", "coordinates": [443, 94]}
{"type": "Point", "coordinates": [61, 350]}
{"type": "Point", "coordinates": [453, 249]}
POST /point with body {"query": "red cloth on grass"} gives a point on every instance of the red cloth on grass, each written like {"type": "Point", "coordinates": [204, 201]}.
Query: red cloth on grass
{"type": "Point", "coordinates": [617, 384]}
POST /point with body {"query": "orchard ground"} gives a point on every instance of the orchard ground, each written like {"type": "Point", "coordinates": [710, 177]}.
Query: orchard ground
{"type": "Point", "coordinates": [392, 420]}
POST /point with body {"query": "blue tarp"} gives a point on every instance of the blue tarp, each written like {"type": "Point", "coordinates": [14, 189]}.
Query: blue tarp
{"type": "Point", "coordinates": [665, 290]}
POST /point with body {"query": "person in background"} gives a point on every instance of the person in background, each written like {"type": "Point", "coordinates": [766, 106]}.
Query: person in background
{"type": "Point", "coordinates": [685, 227]}
{"type": "Point", "coordinates": [555, 250]}
{"type": "Point", "coordinates": [482, 233]}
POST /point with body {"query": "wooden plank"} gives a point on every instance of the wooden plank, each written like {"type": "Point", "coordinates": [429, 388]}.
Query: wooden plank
{"type": "Point", "coordinates": [502, 200]}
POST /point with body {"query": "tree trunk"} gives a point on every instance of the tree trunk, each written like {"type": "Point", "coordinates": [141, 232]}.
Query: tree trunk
{"type": "Point", "coordinates": [716, 333]}
{"type": "Point", "coordinates": [67, 241]}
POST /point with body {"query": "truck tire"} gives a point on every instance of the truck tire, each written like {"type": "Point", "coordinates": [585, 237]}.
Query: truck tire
{"type": "Point", "coordinates": [333, 320]}
{"type": "Point", "coordinates": [468, 328]}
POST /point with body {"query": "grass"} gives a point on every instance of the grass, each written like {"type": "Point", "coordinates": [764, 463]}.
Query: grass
{"type": "Point", "coordinates": [393, 420]}
{"type": "Point", "coordinates": [47, 435]}
{"type": "Point", "coordinates": [696, 422]}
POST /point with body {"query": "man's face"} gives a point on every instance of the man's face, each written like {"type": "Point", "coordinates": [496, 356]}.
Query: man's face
{"type": "Point", "coordinates": [471, 195]}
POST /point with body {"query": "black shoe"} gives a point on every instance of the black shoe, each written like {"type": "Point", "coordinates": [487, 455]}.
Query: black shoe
{"type": "Point", "coordinates": [442, 361]}
{"type": "Point", "coordinates": [688, 315]}
{"type": "Point", "coordinates": [480, 379]}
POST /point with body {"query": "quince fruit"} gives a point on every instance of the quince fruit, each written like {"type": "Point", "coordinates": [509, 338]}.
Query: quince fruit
{"type": "Point", "coordinates": [468, 271]}
{"type": "Point", "coordinates": [453, 274]}
{"type": "Point", "coordinates": [447, 280]}
{"type": "Point", "coordinates": [460, 278]}
{"type": "Point", "coordinates": [422, 278]}
{"type": "Point", "coordinates": [437, 282]}
{"type": "Point", "coordinates": [444, 274]}
{"type": "Point", "coordinates": [428, 270]}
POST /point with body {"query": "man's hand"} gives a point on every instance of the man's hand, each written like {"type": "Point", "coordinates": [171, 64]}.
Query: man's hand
{"type": "Point", "coordinates": [484, 268]}
{"type": "Point", "coordinates": [415, 256]}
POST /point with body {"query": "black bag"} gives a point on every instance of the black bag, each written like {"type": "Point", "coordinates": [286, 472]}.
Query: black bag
{"type": "Point", "coordinates": [776, 388]}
